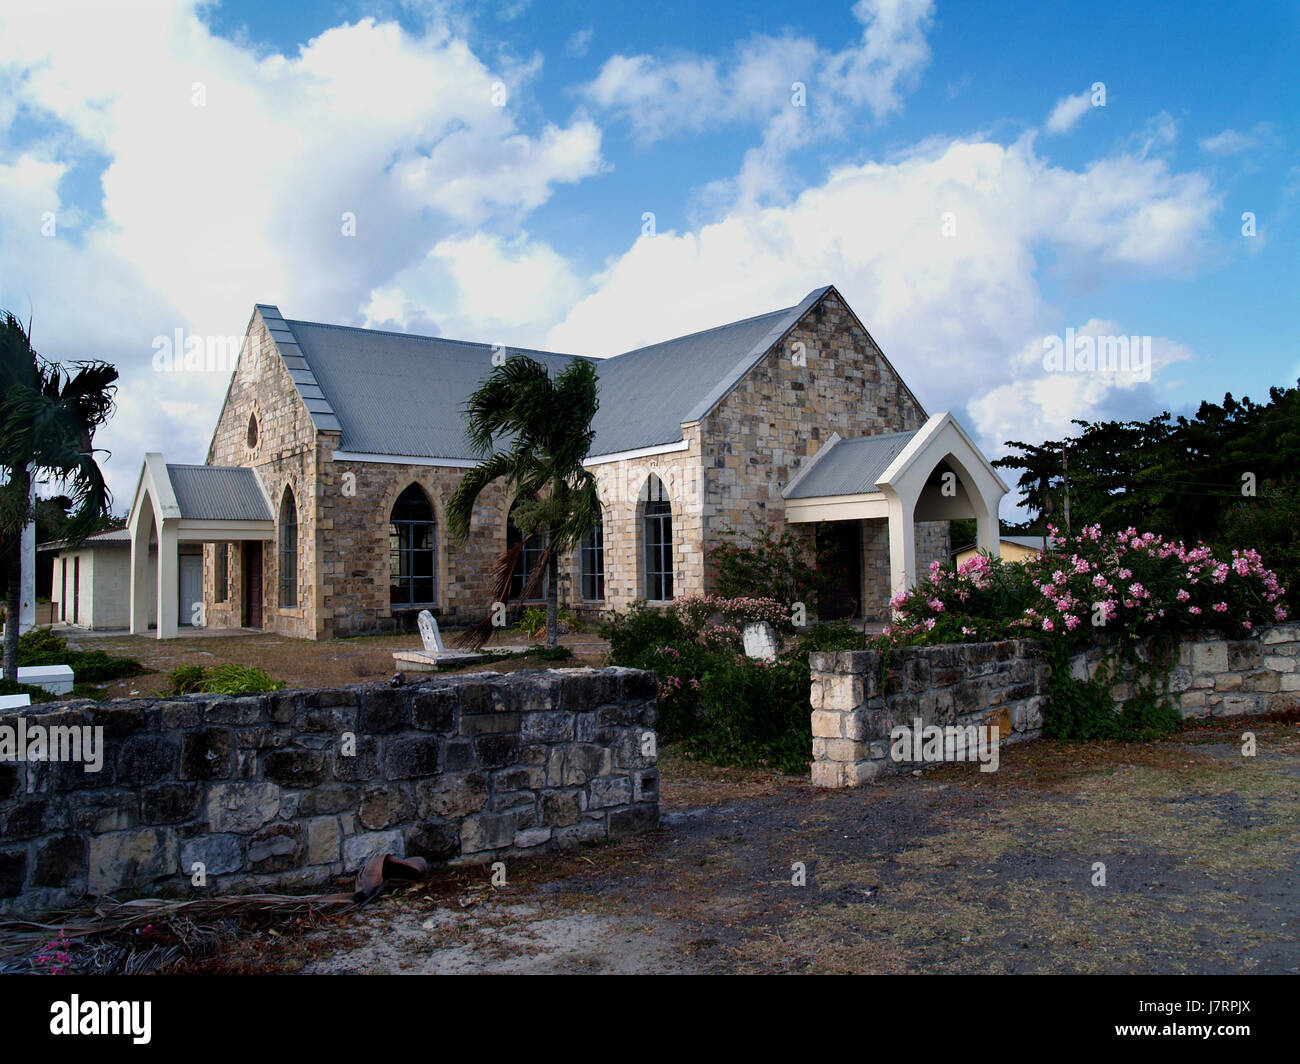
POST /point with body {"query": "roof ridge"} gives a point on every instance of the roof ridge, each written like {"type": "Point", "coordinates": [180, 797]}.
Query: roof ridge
{"type": "Point", "coordinates": [705, 332]}
{"type": "Point", "coordinates": [433, 339]}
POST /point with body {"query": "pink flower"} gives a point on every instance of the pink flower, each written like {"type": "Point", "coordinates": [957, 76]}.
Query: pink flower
{"type": "Point", "coordinates": [1182, 595]}
{"type": "Point", "coordinates": [1048, 626]}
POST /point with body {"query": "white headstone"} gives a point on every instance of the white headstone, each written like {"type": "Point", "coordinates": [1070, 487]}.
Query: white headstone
{"type": "Point", "coordinates": [430, 634]}
{"type": "Point", "coordinates": [760, 641]}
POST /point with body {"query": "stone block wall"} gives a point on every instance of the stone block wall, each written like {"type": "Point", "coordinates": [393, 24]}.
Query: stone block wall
{"type": "Point", "coordinates": [292, 789]}
{"type": "Point", "coordinates": [776, 418]}
{"type": "Point", "coordinates": [974, 684]}
{"type": "Point", "coordinates": [1006, 684]}
{"type": "Point", "coordinates": [1217, 677]}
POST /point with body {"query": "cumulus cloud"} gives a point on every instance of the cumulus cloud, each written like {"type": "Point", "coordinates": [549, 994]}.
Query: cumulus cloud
{"type": "Point", "coordinates": [798, 91]}
{"type": "Point", "coordinates": [231, 174]}
{"type": "Point", "coordinates": [950, 311]}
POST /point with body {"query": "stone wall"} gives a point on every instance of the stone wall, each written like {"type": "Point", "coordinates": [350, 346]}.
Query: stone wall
{"type": "Point", "coordinates": [284, 457]}
{"type": "Point", "coordinates": [765, 430]}
{"type": "Point", "coordinates": [973, 684]}
{"type": "Point", "coordinates": [270, 792]}
{"type": "Point", "coordinates": [1220, 677]}
{"type": "Point", "coordinates": [1006, 684]}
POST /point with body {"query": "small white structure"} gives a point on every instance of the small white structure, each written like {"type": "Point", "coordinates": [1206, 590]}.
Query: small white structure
{"type": "Point", "coordinates": [15, 701]}
{"type": "Point", "coordinates": [434, 653]}
{"type": "Point", "coordinates": [57, 679]}
{"type": "Point", "coordinates": [760, 641]}
{"type": "Point", "coordinates": [187, 504]}
{"type": "Point", "coordinates": [91, 583]}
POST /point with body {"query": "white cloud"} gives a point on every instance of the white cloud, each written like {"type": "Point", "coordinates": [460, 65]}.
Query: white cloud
{"type": "Point", "coordinates": [658, 97]}
{"type": "Point", "coordinates": [1067, 112]}
{"type": "Point", "coordinates": [950, 312]}
{"type": "Point", "coordinates": [1233, 142]}
{"type": "Point", "coordinates": [208, 209]}
{"type": "Point", "coordinates": [578, 43]}
{"type": "Point", "coordinates": [1038, 404]}
{"type": "Point", "coordinates": [478, 287]}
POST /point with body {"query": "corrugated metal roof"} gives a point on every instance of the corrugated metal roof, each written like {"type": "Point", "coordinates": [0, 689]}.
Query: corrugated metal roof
{"type": "Point", "coordinates": [218, 493]}
{"type": "Point", "coordinates": [851, 466]}
{"type": "Point", "coordinates": [399, 394]}
{"type": "Point", "coordinates": [111, 537]}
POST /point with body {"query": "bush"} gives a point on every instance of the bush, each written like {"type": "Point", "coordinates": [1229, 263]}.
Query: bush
{"type": "Point", "coordinates": [229, 679]}
{"type": "Point", "coordinates": [728, 708]}
{"type": "Point", "coordinates": [532, 622]}
{"type": "Point", "coordinates": [42, 646]}
{"type": "Point", "coordinates": [755, 714]}
{"type": "Point", "coordinates": [783, 567]}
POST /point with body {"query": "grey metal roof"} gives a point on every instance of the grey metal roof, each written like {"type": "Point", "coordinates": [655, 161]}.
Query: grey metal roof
{"type": "Point", "coordinates": [111, 537]}
{"type": "Point", "coordinates": [218, 493]}
{"type": "Point", "coordinates": [399, 394]}
{"type": "Point", "coordinates": [1038, 543]}
{"type": "Point", "coordinates": [850, 466]}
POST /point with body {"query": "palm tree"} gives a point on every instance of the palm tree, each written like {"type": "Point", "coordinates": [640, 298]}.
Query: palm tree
{"type": "Point", "coordinates": [48, 418]}
{"type": "Point", "coordinates": [533, 433]}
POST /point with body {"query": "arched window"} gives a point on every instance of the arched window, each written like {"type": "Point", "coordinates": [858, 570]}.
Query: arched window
{"type": "Point", "coordinates": [412, 550]}
{"type": "Point", "coordinates": [528, 559]}
{"type": "Point", "coordinates": [658, 534]}
{"type": "Point", "coordinates": [288, 551]}
{"type": "Point", "coordinates": [592, 552]}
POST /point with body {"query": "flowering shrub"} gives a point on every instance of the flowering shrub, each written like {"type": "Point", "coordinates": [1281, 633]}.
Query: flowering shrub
{"type": "Point", "coordinates": [1138, 584]}
{"type": "Point", "coordinates": [1136, 587]}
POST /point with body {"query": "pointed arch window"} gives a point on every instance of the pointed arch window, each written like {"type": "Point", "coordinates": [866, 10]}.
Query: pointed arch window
{"type": "Point", "coordinates": [288, 551]}
{"type": "Point", "coordinates": [412, 550]}
{"type": "Point", "coordinates": [658, 536]}
{"type": "Point", "coordinates": [529, 558]}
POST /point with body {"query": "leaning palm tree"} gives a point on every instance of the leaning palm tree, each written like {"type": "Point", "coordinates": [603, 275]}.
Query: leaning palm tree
{"type": "Point", "coordinates": [48, 418]}
{"type": "Point", "coordinates": [533, 433]}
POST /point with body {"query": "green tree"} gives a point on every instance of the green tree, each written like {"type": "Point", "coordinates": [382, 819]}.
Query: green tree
{"type": "Point", "coordinates": [48, 418]}
{"type": "Point", "coordinates": [533, 433]}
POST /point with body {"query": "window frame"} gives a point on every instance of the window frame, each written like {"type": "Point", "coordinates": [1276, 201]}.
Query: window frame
{"type": "Point", "coordinates": [591, 563]}
{"type": "Point", "coordinates": [287, 554]}
{"type": "Point", "coordinates": [658, 551]}
{"type": "Point", "coordinates": [402, 549]}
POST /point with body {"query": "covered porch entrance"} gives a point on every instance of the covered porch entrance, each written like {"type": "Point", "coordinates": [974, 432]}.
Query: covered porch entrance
{"type": "Point", "coordinates": [877, 490]}
{"type": "Point", "coordinates": [176, 506]}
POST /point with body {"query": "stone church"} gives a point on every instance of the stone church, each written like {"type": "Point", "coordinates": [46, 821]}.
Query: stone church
{"type": "Point", "coordinates": [320, 509]}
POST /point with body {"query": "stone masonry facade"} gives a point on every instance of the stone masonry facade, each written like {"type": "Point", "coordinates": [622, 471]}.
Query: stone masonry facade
{"type": "Point", "coordinates": [296, 788]}
{"type": "Point", "coordinates": [727, 474]}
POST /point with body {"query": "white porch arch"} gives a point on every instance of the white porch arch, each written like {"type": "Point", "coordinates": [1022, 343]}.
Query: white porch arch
{"type": "Point", "coordinates": [933, 474]}
{"type": "Point", "coordinates": [186, 504]}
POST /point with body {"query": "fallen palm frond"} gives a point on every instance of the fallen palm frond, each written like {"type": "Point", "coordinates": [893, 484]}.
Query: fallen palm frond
{"type": "Point", "coordinates": [21, 937]}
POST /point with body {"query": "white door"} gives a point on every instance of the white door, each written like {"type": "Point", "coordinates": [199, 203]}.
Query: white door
{"type": "Point", "coordinates": [191, 587]}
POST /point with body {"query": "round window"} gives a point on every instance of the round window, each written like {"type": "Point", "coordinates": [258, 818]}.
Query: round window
{"type": "Point", "coordinates": [252, 430]}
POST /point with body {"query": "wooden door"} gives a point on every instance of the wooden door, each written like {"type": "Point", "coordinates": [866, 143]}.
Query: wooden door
{"type": "Point", "coordinates": [252, 584]}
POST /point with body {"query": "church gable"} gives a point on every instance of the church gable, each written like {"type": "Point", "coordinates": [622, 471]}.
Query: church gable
{"type": "Point", "coordinates": [826, 375]}
{"type": "Point", "coordinates": [264, 416]}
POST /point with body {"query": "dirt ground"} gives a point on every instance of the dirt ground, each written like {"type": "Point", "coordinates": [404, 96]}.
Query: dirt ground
{"type": "Point", "coordinates": [950, 871]}
{"type": "Point", "coordinates": [298, 662]}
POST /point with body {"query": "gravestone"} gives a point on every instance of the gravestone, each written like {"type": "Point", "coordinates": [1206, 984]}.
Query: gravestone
{"type": "Point", "coordinates": [434, 654]}
{"type": "Point", "coordinates": [760, 641]}
{"type": "Point", "coordinates": [430, 634]}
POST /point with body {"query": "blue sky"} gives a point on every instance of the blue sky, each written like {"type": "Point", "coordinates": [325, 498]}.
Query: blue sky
{"type": "Point", "coordinates": [523, 222]}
